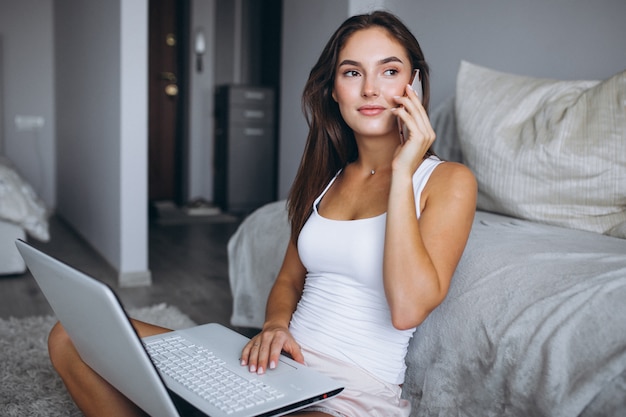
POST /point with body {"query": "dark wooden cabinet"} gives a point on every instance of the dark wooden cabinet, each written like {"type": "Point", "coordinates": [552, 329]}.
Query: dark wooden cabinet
{"type": "Point", "coordinates": [245, 148]}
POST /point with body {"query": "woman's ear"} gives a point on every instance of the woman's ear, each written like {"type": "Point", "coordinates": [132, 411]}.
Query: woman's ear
{"type": "Point", "coordinates": [333, 94]}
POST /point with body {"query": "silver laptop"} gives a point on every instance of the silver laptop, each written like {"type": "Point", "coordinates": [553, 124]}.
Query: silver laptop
{"type": "Point", "coordinates": [105, 339]}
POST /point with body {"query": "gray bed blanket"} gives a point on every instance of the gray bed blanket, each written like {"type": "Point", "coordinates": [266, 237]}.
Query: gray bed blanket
{"type": "Point", "coordinates": [534, 325]}
{"type": "Point", "coordinates": [255, 254]}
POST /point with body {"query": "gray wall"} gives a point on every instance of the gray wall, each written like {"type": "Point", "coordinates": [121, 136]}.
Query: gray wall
{"type": "Point", "coordinates": [200, 151]}
{"type": "Point", "coordinates": [568, 39]}
{"type": "Point", "coordinates": [102, 121]}
{"type": "Point", "coordinates": [27, 86]}
{"type": "Point", "coordinates": [307, 25]}
{"type": "Point", "coordinates": [564, 39]}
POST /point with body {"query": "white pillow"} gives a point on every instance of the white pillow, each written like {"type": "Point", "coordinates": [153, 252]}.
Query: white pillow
{"type": "Point", "coordinates": [546, 150]}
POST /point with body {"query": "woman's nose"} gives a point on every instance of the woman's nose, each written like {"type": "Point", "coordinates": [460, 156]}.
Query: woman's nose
{"type": "Point", "coordinates": [370, 87]}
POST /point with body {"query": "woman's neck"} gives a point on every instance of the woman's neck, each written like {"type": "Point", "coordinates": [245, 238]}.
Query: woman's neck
{"type": "Point", "coordinates": [375, 154]}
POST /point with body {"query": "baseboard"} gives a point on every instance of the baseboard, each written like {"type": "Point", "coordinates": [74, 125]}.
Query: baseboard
{"type": "Point", "coordinates": [135, 279]}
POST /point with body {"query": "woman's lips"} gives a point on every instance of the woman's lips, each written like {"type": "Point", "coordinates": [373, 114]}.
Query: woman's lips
{"type": "Point", "coordinates": [370, 110]}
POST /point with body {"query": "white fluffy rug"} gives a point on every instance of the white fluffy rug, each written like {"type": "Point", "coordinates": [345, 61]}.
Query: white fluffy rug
{"type": "Point", "coordinates": [28, 384]}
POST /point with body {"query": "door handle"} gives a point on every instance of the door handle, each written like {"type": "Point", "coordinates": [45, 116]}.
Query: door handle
{"type": "Point", "coordinates": [171, 90]}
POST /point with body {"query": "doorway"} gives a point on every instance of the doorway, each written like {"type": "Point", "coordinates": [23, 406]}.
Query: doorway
{"type": "Point", "coordinates": [167, 109]}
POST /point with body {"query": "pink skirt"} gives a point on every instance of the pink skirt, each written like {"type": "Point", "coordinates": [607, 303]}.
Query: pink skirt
{"type": "Point", "coordinates": [364, 394]}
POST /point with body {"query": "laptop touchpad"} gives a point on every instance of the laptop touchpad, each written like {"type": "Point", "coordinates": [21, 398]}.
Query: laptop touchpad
{"type": "Point", "coordinates": [283, 366]}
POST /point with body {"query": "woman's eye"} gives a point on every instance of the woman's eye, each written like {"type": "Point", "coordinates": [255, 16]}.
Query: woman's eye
{"type": "Point", "coordinates": [391, 72]}
{"type": "Point", "coordinates": [351, 73]}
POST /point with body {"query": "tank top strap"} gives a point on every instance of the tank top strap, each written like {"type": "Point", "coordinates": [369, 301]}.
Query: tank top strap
{"type": "Point", "coordinates": [316, 203]}
{"type": "Point", "coordinates": [421, 176]}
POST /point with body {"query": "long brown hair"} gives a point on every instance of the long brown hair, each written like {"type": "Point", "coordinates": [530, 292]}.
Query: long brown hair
{"type": "Point", "coordinates": [330, 143]}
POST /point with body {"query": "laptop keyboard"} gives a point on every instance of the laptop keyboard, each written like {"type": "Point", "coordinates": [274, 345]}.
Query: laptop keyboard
{"type": "Point", "coordinates": [202, 372]}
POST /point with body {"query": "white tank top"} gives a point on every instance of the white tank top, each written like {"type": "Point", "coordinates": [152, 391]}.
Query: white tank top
{"type": "Point", "coordinates": [343, 311]}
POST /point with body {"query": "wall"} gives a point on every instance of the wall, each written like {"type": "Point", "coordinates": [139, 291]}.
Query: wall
{"type": "Point", "coordinates": [132, 245]}
{"type": "Point", "coordinates": [1, 99]}
{"type": "Point", "coordinates": [564, 39]}
{"type": "Point", "coordinates": [307, 26]}
{"type": "Point", "coordinates": [101, 140]}
{"type": "Point", "coordinates": [27, 87]}
{"type": "Point", "coordinates": [224, 26]}
{"type": "Point", "coordinates": [201, 102]}
{"type": "Point", "coordinates": [569, 39]}
{"type": "Point", "coordinates": [227, 44]}
{"type": "Point", "coordinates": [101, 103]}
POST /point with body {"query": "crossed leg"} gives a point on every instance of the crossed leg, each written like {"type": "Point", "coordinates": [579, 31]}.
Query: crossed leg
{"type": "Point", "coordinates": [93, 395]}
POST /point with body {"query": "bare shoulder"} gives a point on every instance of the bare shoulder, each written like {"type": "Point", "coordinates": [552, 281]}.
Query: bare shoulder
{"type": "Point", "coordinates": [451, 181]}
{"type": "Point", "coordinates": [453, 175]}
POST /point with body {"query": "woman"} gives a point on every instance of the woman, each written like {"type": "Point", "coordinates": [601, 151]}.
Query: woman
{"type": "Point", "coordinates": [378, 227]}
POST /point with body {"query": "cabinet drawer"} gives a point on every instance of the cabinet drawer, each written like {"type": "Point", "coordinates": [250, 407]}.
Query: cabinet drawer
{"type": "Point", "coordinates": [255, 114]}
{"type": "Point", "coordinates": [242, 134]}
{"type": "Point", "coordinates": [251, 95]}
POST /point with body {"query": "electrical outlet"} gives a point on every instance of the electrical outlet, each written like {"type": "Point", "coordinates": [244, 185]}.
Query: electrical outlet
{"type": "Point", "coordinates": [28, 123]}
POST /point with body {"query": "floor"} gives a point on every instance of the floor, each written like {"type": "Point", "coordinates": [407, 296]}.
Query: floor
{"type": "Point", "coordinates": [188, 262]}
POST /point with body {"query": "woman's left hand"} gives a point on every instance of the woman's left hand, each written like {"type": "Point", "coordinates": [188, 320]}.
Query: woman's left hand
{"type": "Point", "coordinates": [419, 134]}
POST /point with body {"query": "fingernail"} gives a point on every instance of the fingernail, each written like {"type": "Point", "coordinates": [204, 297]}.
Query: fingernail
{"type": "Point", "coordinates": [260, 372]}
{"type": "Point", "coordinates": [243, 362]}
{"type": "Point", "coordinates": [272, 365]}
{"type": "Point", "coordinates": [411, 87]}
{"type": "Point", "coordinates": [252, 368]}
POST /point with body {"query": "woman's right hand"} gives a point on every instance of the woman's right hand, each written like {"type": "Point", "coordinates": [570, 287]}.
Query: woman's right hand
{"type": "Point", "coordinates": [263, 351]}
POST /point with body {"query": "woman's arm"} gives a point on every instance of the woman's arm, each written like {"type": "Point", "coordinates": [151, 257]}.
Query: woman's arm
{"type": "Point", "coordinates": [421, 255]}
{"type": "Point", "coordinates": [263, 350]}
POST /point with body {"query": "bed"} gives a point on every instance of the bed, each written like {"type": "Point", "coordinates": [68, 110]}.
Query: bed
{"type": "Point", "coordinates": [23, 215]}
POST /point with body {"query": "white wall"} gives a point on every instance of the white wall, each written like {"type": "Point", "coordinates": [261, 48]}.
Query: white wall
{"type": "Point", "coordinates": [132, 245]}
{"type": "Point", "coordinates": [27, 87]}
{"type": "Point", "coordinates": [101, 103]}
{"type": "Point", "coordinates": [569, 39]}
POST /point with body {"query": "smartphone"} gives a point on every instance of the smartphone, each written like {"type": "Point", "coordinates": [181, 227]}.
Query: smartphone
{"type": "Point", "coordinates": [416, 84]}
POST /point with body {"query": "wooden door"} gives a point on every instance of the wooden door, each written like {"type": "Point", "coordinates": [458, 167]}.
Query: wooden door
{"type": "Point", "coordinates": [167, 90]}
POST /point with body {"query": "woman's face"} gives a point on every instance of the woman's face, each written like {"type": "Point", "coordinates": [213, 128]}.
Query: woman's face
{"type": "Point", "coordinates": [373, 67]}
